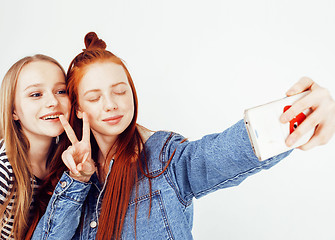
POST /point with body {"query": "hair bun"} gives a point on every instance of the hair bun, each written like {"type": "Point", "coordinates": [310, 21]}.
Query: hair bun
{"type": "Point", "coordinates": [93, 42]}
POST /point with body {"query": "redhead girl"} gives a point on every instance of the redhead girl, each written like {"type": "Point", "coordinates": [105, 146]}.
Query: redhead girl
{"type": "Point", "coordinates": [127, 183]}
{"type": "Point", "coordinates": [33, 95]}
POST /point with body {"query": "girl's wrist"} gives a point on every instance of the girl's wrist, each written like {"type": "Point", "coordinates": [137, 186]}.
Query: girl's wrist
{"type": "Point", "coordinates": [81, 178]}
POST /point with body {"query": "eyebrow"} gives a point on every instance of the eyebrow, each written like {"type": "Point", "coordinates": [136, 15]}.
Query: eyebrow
{"type": "Point", "coordinates": [40, 84]}
{"type": "Point", "coordinates": [98, 90]}
{"type": "Point", "coordinates": [116, 84]}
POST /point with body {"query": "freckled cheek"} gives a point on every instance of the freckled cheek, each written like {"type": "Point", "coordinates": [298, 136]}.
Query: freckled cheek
{"type": "Point", "coordinates": [128, 105]}
{"type": "Point", "coordinates": [90, 119]}
{"type": "Point", "coordinates": [92, 112]}
{"type": "Point", "coordinates": [94, 121]}
{"type": "Point", "coordinates": [132, 108]}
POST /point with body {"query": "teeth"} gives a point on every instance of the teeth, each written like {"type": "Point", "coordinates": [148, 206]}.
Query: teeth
{"type": "Point", "coordinates": [51, 117]}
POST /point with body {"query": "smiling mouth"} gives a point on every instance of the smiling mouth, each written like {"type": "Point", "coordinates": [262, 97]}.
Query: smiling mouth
{"type": "Point", "coordinates": [51, 117]}
{"type": "Point", "coordinates": [113, 120]}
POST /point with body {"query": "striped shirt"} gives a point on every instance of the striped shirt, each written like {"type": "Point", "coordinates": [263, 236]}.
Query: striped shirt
{"type": "Point", "coordinates": [6, 184]}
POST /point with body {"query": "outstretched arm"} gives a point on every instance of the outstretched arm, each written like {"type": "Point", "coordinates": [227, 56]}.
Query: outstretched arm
{"type": "Point", "coordinates": [215, 161]}
{"type": "Point", "coordinates": [226, 159]}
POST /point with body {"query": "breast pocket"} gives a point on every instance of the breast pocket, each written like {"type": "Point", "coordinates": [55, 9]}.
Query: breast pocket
{"type": "Point", "coordinates": [153, 226]}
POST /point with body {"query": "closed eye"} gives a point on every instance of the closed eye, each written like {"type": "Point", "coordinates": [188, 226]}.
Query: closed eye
{"type": "Point", "coordinates": [120, 92]}
{"type": "Point", "coordinates": [94, 99]}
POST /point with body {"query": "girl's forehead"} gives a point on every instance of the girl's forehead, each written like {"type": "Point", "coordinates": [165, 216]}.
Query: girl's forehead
{"type": "Point", "coordinates": [106, 68]}
{"type": "Point", "coordinates": [104, 73]}
{"type": "Point", "coordinates": [40, 72]}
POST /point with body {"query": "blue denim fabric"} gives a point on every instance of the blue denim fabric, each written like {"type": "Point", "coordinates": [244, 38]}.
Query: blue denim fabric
{"type": "Point", "coordinates": [197, 168]}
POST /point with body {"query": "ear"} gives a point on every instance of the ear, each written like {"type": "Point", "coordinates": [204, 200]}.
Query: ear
{"type": "Point", "coordinates": [16, 118]}
{"type": "Point", "coordinates": [79, 113]}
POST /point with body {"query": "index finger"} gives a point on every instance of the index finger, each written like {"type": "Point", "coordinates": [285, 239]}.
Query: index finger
{"type": "Point", "coordinates": [300, 106]}
{"type": "Point", "coordinates": [68, 129]}
{"type": "Point", "coordinates": [86, 128]}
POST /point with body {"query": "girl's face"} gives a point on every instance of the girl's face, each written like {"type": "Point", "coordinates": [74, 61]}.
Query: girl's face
{"type": "Point", "coordinates": [40, 97]}
{"type": "Point", "coordinates": [105, 95]}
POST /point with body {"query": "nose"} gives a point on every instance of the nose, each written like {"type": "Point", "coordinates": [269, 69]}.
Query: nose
{"type": "Point", "coordinates": [109, 104]}
{"type": "Point", "coordinates": [51, 100]}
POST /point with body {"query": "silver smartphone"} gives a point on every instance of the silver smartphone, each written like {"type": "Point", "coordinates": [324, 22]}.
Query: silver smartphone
{"type": "Point", "coordinates": [267, 134]}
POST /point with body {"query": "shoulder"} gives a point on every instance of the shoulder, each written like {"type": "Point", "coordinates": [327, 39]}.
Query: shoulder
{"type": "Point", "coordinates": [6, 170]}
{"type": "Point", "coordinates": [6, 174]}
{"type": "Point", "coordinates": [159, 136]}
{"type": "Point", "coordinates": [2, 146]}
{"type": "Point", "coordinates": [163, 138]}
{"type": "Point", "coordinates": [161, 144]}
{"type": "Point", "coordinates": [144, 132]}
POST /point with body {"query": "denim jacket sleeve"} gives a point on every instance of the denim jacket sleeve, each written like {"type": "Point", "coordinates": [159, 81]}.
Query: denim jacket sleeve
{"type": "Point", "coordinates": [216, 161]}
{"type": "Point", "coordinates": [62, 215]}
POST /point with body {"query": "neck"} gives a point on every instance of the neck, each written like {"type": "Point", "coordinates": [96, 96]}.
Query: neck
{"type": "Point", "coordinates": [105, 144]}
{"type": "Point", "coordinates": [38, 154]}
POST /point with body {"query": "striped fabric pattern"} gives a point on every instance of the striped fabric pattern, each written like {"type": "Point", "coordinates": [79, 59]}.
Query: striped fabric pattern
{"type": "Point", "coordinates": [6, 184]}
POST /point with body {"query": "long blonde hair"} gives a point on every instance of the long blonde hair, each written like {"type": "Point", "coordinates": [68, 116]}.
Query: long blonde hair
{"type": "Point", "coordinates": [17, 148]}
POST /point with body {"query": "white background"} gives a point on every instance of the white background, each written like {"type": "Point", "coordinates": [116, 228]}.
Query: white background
{"type": "Point", "coordinates": [196, 66]}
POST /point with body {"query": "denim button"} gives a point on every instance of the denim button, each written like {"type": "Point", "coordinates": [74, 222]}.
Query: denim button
{"type": "Point", "coordinates": [63, 184]}
{"type": "Point", "coordinates": [93, 224]}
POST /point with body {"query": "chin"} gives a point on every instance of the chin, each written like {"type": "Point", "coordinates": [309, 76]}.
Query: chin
{"type": "Point", "coordinates": [55, 133]}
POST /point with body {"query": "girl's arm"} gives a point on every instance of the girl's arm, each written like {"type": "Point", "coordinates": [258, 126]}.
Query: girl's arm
{"type": "Point", "coordinates": [224, 160]}
{"type": "Point", "coordinates": [216, 161]}
{"type": "Point", "coordinates": [62, 215]}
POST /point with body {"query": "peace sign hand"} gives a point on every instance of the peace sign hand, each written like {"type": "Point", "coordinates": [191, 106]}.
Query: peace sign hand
{"type": "Point", "coordinates": [78, 156]}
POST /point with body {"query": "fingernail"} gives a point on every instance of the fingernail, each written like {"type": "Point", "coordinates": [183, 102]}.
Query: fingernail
{"type": "Point", "coordinates": [289, 92]}
{"type": "Point", "coordinates": [85, 157]}
{"type": "Point", "coordinates": [283, 119]}
{"type": "Point", "coordinates": [290, 141]}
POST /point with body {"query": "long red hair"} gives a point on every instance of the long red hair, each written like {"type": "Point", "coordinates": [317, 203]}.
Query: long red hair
{"type": "Point", "coordinates": [123, 174]}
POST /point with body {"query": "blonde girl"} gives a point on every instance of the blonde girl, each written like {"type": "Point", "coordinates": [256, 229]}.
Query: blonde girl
{"type": "Point", "coordinates": [32, 96]}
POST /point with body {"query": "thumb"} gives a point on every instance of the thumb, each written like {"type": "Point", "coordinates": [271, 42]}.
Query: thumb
{"type": "Point", "coordinates": [86, 169]}
{"type": "Point", "coordinates": [302, 85]}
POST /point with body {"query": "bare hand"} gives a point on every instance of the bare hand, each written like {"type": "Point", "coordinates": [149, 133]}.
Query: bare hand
{"type": "Point", "coordinates": [78, 156]}
{"type": "Point", "coordinates": [321, 119]}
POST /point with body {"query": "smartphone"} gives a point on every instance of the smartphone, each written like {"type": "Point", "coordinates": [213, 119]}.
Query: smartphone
{"type": "Point", "coordinates": [267, 134]}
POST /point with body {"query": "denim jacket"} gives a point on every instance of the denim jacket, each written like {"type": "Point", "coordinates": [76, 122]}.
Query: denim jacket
{"type": "Point", "coordinates": [197, 168]}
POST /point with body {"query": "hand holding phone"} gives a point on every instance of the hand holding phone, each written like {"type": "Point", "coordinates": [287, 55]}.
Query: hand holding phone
{"type": "Point", "coordinates": [267, 134]}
